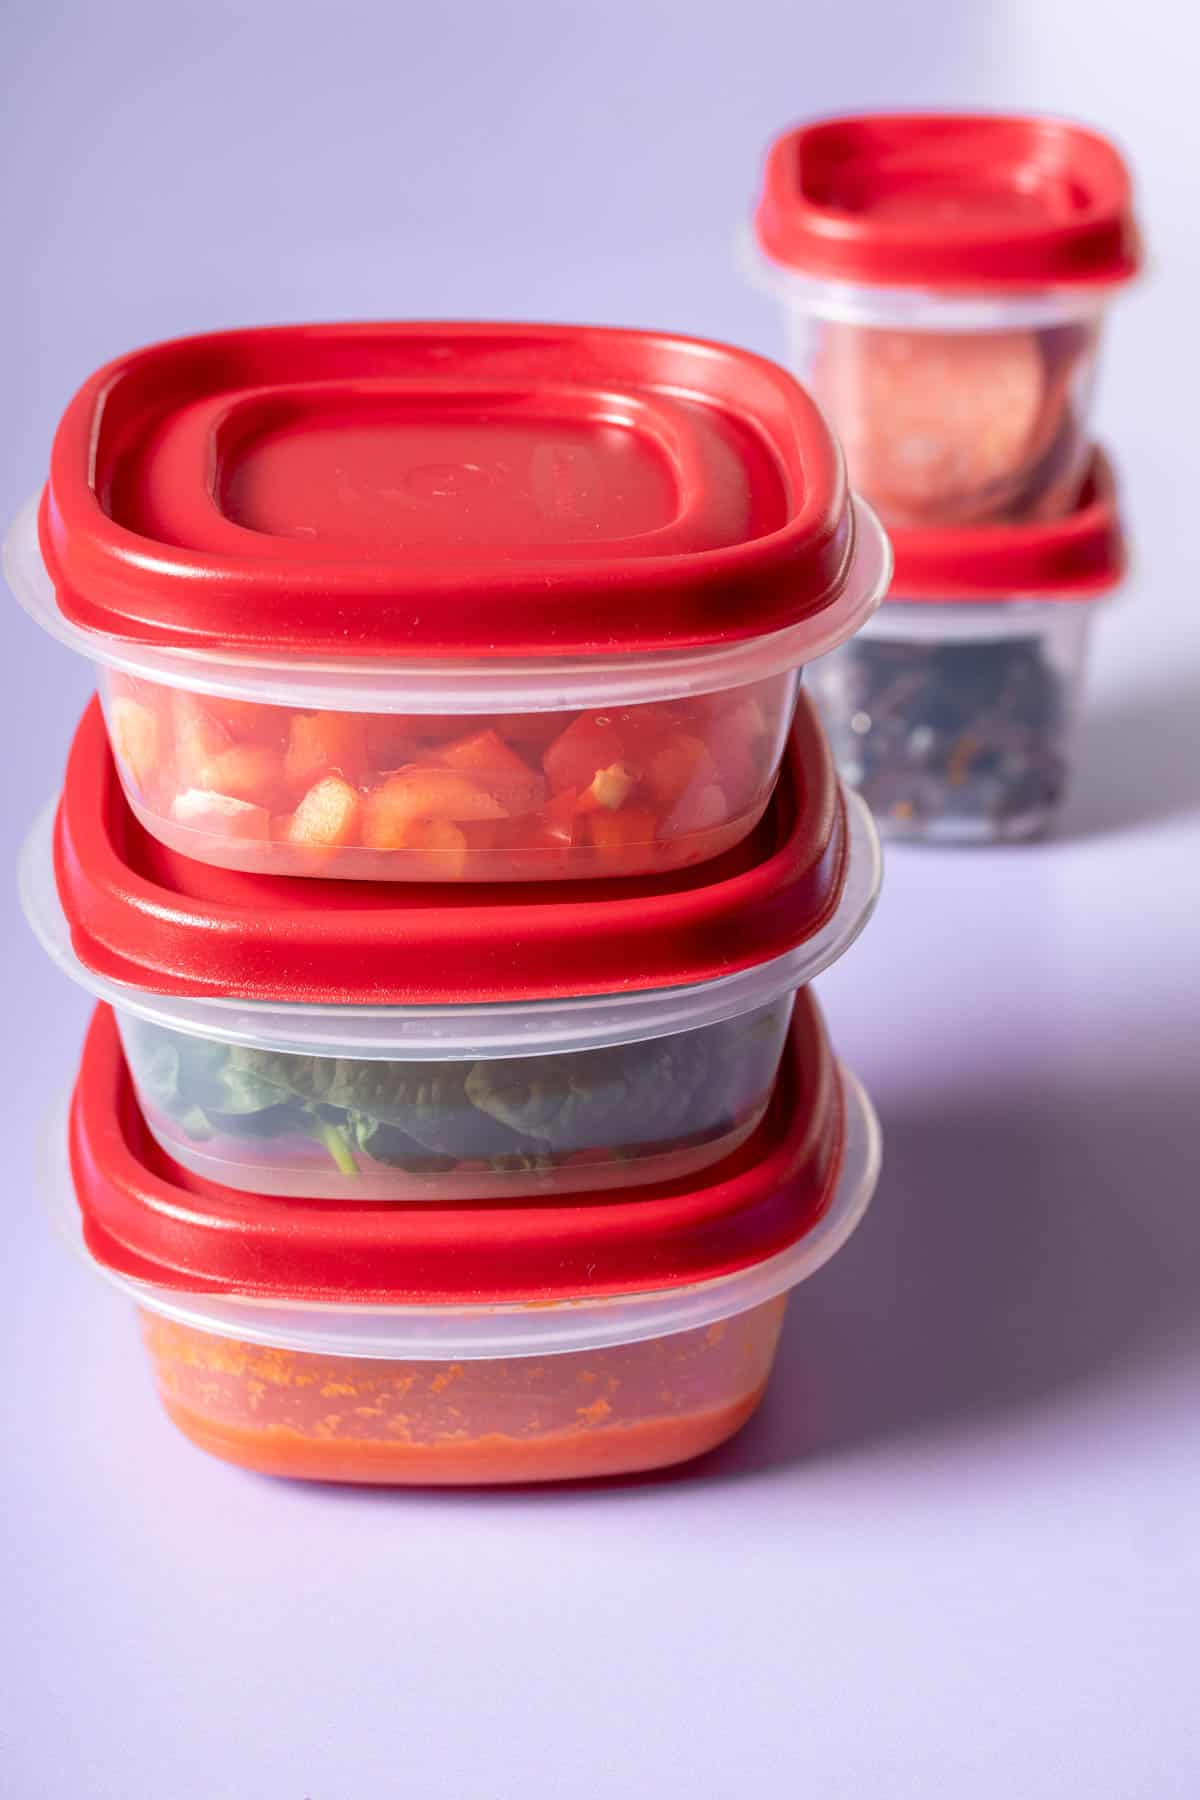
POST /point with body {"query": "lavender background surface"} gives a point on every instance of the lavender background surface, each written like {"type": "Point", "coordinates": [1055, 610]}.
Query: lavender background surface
{"type": "Point", "coordinates": [958, 1551]}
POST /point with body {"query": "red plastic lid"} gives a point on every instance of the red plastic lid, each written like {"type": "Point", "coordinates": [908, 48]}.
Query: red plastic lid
{"type": "Point", "coordinates": [143, 914]}
{"type": "Point", "coordinates": [147, 1218]}
{"type": "Point", "coordinates": [1071, 558]}
{"type": "Point", "coordinates": [949, 200]}
{"type": "Point", "coordinates": [443, 491]}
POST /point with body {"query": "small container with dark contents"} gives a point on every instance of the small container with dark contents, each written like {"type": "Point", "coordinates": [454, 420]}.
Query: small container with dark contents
{"type": "Point", "coordinates": [953, 715]}
{"type": "Point", "coordinates": [945, 280]}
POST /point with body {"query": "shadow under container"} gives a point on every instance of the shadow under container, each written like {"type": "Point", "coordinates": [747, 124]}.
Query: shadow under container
{"type": "Point", "coordinates": [477, 1343]}
{"type": "Point", "coordinates": [447, 602]}
{"type": "Point", "coordinates": [945, 279]}
{"type": "Point", "coordinates": [351, 1043]}
{"type": "Point", "coordinates": [955, 714]}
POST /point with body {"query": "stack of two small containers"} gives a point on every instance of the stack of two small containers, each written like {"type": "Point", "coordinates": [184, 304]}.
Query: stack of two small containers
{"type": "Point", "coordinates": [449, 850]}
{"type": "Point", "coordinates": [945, 280]}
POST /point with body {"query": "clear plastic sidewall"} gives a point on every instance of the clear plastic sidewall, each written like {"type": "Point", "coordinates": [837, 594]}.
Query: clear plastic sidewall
{"type": "Point", "coordinates": [916, 308]}
{"type": "Point", "coordinates": [622, 791]}
{"type": "Point", "coordinates": [588, 1413]}
{"type": "Point", "coordinates": [455, 1033]}
{"type": "Point", "coordinates": [945, 424]}
{"type": "Point", "coordinates": [540, 1125]}
{"type": "Point", "coordinates": [958, 723]}
{"type": "Point", "coordinates": [467, 1332]}
{"type": "Point", "coordinates": [500, 685]}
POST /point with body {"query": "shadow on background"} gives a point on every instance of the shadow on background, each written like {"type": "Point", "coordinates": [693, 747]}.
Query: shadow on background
{"type": "Point", "coordinates": [1138, 762]}
{"type": "Point", "coordinates": [1019, 1248]}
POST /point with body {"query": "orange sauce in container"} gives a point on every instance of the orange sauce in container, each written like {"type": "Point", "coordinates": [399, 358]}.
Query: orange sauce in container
{"type": "Point", "coordinates": [614, 1411]}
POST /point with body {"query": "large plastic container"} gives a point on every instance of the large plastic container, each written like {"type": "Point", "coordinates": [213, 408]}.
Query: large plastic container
{"type": "Point", "coordinates": [473, 1344]}
{"type": "Point", "coordinates": [447, 602]}
{"type": "Point", "coordinates": [954, 715]}
{"type": "Point", "coordinates": [396, 1043]}
{"type": "Point", "coordinates": [945, 279]}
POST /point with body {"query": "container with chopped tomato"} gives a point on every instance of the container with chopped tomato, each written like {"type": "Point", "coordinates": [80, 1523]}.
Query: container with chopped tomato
{"type": "Point", "coordinates": [954, 714]}
{"type": "Point", "coordinates": [446, 603]}
{"type": "Point", "coordinates": [945, 279]}
{"type": "Point", "coordinates": [478, 1343]}
{"type": "Point", "coordinates": [373, 1042]}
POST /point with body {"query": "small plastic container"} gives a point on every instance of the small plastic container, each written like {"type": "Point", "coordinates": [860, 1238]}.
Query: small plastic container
{"type": "Point", "coordinates": [349, 1042]}
{"type": "Point", "coordinates": [945, 279]}
{"type": "Point", "coordinates": [954, 714]}
{"type": "Point", "coordinates": [470, 603]}
{"type": "Point", "coordinates": [474, 1344]}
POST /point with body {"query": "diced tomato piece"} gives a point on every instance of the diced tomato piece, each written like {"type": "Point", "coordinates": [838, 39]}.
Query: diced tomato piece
{"type": "Point", "coordinates": [328, 815]}
{"type": "Point", "coordinates": [590, 742]}
{"type": "Point", "coordinates": [250, 721]}
{"type": "Point", "coordinates": [138, 736]}
{"type": "Point", "coordinates": [220, 815]}
{"type": "Point", "coordinates": [482, 834]}
{"type": "Point", "coordinates": [199, 738]}
{"type": "Point", "coordinates": [557, 821]}
{"type": "Point", "coordinates": [741, 741]}
{"type": "Point", "coordinates": [700, 809]}
{"type": "Point", "coordinates": [609, 788]}
{"type": "Point", "coordinates": [391, 741]}
{"type": "Point", "coordinates": [247, 771]}
{"type": "Point", "coordinates": [324, 743]}
{"type": "Point", "coordinates": [423, 793]}
{"type": "Point", "coordinates": [622, 840]}
{"type": "Point", "coordinates": [680, 762]}
{"type": "Point", "coordinates": [534, 730]}
{"type": "Point", "coordinates": [440, 844]}
{"type": "Point", "coordinates": [497, 769]}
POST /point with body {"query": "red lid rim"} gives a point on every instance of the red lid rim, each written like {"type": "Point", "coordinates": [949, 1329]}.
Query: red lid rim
{"type": "Point", "coordinates": [149, 1220]}
{"type": "Point", "coordinates": [1074, 558]}
{"type": "Point", "coordinates": [1097, 248]}
{"type": "Point", "coordinates": [247, 587]}
{"type": "Point", "coordinates": [216, 934]}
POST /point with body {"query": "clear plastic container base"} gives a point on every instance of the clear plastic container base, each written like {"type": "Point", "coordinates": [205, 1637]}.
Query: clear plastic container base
{"type": "Point", "coordinates": [956, 722]}
{"type": "Point", "coordinates": [461, 1394]}
{"type": "Point", "coordinates": [489, 771]}
{"type": "Point", "coordinates": [538, 1098]}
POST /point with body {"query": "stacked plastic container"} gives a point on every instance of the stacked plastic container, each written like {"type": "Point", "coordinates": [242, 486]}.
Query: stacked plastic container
{"type": "Point", "coordinates": [945, 280]}
{"type": "Point", "coordinates": [449, 851]}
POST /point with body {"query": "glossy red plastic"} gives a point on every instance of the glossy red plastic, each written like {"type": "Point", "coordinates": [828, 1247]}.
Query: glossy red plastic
{"type": "Point", "coordinates": [141, 913]}
{"type": "Point", "coordinates": [442, 490]}
{"type": "Point", "coordinates": [971, 201]}
{"type": "Point", "coordinates": [1073, 557]}
{"type": "Point", "coordinates": [147, 1218]}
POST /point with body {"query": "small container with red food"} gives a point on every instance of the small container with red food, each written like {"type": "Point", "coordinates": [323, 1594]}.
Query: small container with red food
{"type": "Point", "coordinates": [946, 278]}
{"type": "Point", "coordinates": [447, 603]}
{"type": "Point", "coordinates": [473, 1343]}
{"type": "Point", "coordinates": [359, 1042]}
{"type": "Point", "coordinates": [954, 713]}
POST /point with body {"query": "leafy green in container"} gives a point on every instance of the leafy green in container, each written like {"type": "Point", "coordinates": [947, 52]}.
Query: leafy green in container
{"type": "Point", "coordinates": [508, 1113]}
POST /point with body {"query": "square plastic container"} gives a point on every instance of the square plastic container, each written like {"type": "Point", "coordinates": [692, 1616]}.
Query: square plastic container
{"type": "Point", "coordinates": [945, 279]}
{"type": "Point", "coordinates": [353, 1043]}
{"type": "Point", "coordinates": [954, 715]}
{"type": "Point", "coordinates": [475, 1344]}
{"type": "Point", "coordinates": [471, 603]}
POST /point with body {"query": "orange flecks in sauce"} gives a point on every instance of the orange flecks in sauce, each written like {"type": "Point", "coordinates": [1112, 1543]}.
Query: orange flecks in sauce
{"type": "Point", "coordinates": [601, 1412]}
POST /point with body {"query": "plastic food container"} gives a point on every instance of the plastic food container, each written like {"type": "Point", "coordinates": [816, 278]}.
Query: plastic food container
{"type": "Point", "coordinates": [447, 602]}
{"type": "Point", "coordinates": [356, 1042]}
{"type": "Point", "coordinates": [945, 279]}
{"type": "Point", "coordinates": [477, 1343]}
{"type": "Point", "coordinates": [954, 715]}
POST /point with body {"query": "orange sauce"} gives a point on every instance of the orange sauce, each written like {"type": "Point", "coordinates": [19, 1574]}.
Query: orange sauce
{"type": "Point", "coordinates": [318, 1417]}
